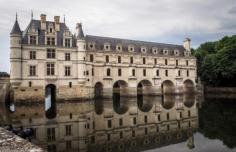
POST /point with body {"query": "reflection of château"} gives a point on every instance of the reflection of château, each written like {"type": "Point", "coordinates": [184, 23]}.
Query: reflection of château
{"type": "Point", "coordinates": [47, 54]}
{"type": "Point", "coordinates": [124, 124]}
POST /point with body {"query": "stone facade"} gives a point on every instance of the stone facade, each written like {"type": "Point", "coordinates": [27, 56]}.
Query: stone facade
{"type": "Point", "coordinates": [47, 52]}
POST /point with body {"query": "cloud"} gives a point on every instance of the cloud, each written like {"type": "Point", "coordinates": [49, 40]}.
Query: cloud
{"type": "Point", "coordinates": [167, 21]}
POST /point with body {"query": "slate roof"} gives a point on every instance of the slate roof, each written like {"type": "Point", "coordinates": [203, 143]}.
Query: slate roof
{"type": "Point", "coordinates": [41, 33]}
{"type": "Point", "coordinates": [100, 41]}
{"type": "Point", "coordinates": [16, 28]}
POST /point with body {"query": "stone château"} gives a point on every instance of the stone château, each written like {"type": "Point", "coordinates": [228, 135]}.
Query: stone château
{"type": "Point", "coordinates": [47, 55]}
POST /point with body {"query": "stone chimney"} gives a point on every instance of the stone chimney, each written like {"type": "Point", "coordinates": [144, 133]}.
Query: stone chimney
{"type": "Point", "coordinates": [57, 23]}
{"type": "Point", "coordinates": [187, 44]}
{"type": "Point", "coordinates": [43, 21]}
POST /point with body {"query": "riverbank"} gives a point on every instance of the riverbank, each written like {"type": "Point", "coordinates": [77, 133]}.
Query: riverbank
{"type": "Point", "coordinates": [10, 142]}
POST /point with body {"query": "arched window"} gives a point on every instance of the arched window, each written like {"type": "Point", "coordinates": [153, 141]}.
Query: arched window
{"type": "Point", "coordinates": [108, 72]}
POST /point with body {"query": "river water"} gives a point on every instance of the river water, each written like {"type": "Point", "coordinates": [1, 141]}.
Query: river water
{"type": "Point", "coordinates": [187, 123]}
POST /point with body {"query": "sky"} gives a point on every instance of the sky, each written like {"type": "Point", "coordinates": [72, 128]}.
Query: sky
{"type": "Point", "coordinates": [164, 21]}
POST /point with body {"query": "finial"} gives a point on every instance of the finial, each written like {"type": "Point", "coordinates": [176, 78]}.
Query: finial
{"type": "Point", "coordinates": [64, 18]}
{"type": "Point", "coordinates": [32, 15]}
{"type": "Point", "coordinates": [16, 16]}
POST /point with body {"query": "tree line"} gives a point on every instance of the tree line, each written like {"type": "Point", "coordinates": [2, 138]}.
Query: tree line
{"type": "Point", "coordinates": [216, 62]}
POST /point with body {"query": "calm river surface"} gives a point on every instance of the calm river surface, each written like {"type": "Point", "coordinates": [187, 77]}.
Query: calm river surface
{"type": "Point", "coordinates": [146, 123]}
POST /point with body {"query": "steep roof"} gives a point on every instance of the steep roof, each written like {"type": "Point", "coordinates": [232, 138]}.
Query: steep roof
{"type": "Point", "coordinates": [100, 41]}
{"type": "Point", "coordinates": [16, 28]}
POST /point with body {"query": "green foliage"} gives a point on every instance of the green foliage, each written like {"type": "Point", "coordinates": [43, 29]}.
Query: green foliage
{"type": "Point", "coordinates": [216, 62]}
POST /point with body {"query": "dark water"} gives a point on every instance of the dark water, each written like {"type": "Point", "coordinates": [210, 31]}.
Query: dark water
{"type": "Point", "coordinates": [157, 123]}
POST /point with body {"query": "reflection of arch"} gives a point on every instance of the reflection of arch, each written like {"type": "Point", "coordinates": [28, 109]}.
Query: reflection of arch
{"type": "Point", "coordinates": [189, 100]}
{"type": "Point", "coordinates": [119, 104]}
{"type": "Point", "coordinates": [167, 87]}
{"type": "Point", "coordinates": [50, 101]}
{"type": "Point", "coordinates": [188, 86]}
{"type": "Point", "coordinates": [98, 90]}
{"type": "Point", "coordinates": [145, 103]}
{"type": "Point", "coordinates": [144, 87]}
{"type": "Point", "coordinates": [168, 101]}
{"type": "Point", "coordinates": [99, 106]}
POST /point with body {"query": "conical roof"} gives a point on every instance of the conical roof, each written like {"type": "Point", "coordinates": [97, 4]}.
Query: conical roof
{"type": "Point", "coordinates": [16, 28]}
{"type": "Point", "coordinates": [80, 35]}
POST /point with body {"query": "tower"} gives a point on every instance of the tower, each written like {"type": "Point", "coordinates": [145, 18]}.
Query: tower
{"type": "Point", "coordinates": [81, 54]}
{"type": "Point", "coordinates": [15, 54]}
{"type": "Point", "coordinates": [187, 46]}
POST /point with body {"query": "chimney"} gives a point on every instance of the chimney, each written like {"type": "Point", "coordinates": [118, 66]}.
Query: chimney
{"type": "Point", "coordinates": [43, 21]}
{"type": "Point", "coordinates": [187, 44]}
{"type": "Point", "coordinates": [57, 23]}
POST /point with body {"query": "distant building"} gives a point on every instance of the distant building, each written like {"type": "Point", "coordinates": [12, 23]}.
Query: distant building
{"type": "Point", "coordinates": [47, 55]}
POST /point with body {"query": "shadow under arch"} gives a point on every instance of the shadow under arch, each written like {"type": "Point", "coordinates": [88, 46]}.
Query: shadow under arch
{"type": "Point", "coordinates": [50, 101]}
{"type": "Point", "coordinates": [98, 90]}
{"type": "Point", "coordinates": [188, 86]}
{"type": "Point", "coordinates": [118, 96]}
{"type": "Point", "coordinates": [168, 87]}
{"type": "Point", "coordinates": [144, 87]}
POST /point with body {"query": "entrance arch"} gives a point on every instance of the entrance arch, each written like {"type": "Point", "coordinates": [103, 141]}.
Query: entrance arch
{"type": "Point", "coordinates": [50, 101]}
{"type": "Point", "coordinates": [167, 87]}
{"type": "Point", "coordinates": [98, 90]}
{"type": "Point", "coordinates": [188, 86]}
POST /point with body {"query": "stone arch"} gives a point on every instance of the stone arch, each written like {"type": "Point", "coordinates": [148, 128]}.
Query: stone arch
{"type": "Point", "coordinates": [168, 87]}
{"type": "Point", "coordinates": [120, 87]}
{"type": "Point", "coordinates": [50, 101]}
{"type": "Point", "coordinates": [98, 90]}
{"type": "Point", "coordinates": [188, 86]}
{"type": "Point", "coordinates": [168, 101]}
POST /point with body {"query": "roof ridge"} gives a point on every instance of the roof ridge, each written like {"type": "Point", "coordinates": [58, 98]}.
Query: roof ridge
{"type": "Point", "coordinates": [133, 40]}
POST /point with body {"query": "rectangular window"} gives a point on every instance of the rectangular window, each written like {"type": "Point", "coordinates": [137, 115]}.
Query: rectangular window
{"type": "Point", "coordinates": [187, 73]}
{"type": "Point", "coordinates": [50, 69]}
{"type": "Point", "coordinates": [51, 41]}
{"type": "Point", "coordinates": [68, 130]}
{"type": "Point", "coordinates": [119, 59]}
{"type": "Point", "coordinates": [144, 60]}
{"type": "Point", "coordinates": [32, 70]}
{"type": "Point", "coordinates": [144, 72]}
{"type": "Point", "coordinates": [92, 71]}
{"type": "Point", "coordinates": [51, 134]}
{"type": "Point", "coordinates": [179, 73]}
{"type": "Point", "coordinates": [131, 60]}
{"type": "Point", "coordinates": [159, 117]}
{"type": "Point", "coordinates": [91, 58]}
{"type": "Point", "coordinates": [176, 62]}
{"type": "Point", "coordinates": [167, 116]}
{"type": "Point", "coordinates": [67, 71]}
{"type": "Point", "coordinates": [166, 62]}
{"type": "Point", "coordinates": [108, 72]}
{"type": "Point", "coordinates": [186, 62]}
{"type": "Point", "coordinates": [67, 42]}
{"type": "Point", "coordinates": [157, 73]}
{"type": "Point", "coordinates": [107, 59]}
{"type": "Point", "coordinates": [67, 56]}
{"type": "Point", "coordinates": [166, 73]}
{"type": "Point", "coordinates": [109, 124]}
{"type": "Point", "coordinates": [33, 40]}
{"type": "Point", "coordinates": [119, 72]}
{"type": "Point", "coordinates": [51, 53]}
{"type": "Point", "coordinates": [32, 55]}
{"type": "Point", "coordinates": [133, 133]}
{"type": "Point", "coordinates": [155, 61]}
{"type": "Point", "coordinates": [133, 72]}
{"type": "Point", "coordinates": [145, 119]}
{"type": "Point", "coordinates": [121, 122]}
{"type": "Point", "coordinates": [134, 121]}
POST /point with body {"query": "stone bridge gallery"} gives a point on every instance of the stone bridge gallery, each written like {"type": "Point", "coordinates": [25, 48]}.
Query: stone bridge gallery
{"type": "Point", "coordinates": [49, 62]}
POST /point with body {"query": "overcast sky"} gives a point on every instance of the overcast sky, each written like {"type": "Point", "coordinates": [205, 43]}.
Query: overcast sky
{"type": "Point", "coordinates": [166, 21]}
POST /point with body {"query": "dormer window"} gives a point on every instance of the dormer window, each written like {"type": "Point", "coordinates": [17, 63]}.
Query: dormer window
{"type": "Point", "coordinates": [143, 49]}
{"type": "Point", "coordinates": [107, 46]}
{"type": "Point", "coordinates": [165, 51]}
{"type": "Point", "coordinates": [131, 48]}
{"type": "Point", "coordinates": [50, 30]}
{"type": "Point", "coordinates": [50, 41]}
{"type": "Point", "coordinates": [119, 47]}
{"type": "Point", "coordinates": [67, 42]}
{"type": "Point", "coordinates": [91, 46]}
{"type": "Point", "coordinates": [154, 50]}
{"type": "Point", "coordinates": [176, 52]}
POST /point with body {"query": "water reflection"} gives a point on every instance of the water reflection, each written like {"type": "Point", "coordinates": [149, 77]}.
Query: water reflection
{"type": "Point", "coordinates": [118, 124]}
